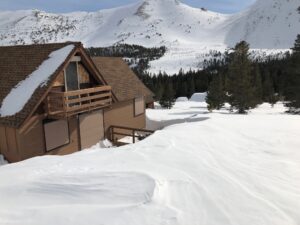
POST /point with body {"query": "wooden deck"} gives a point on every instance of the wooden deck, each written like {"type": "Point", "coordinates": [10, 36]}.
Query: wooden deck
{"type": "Point", "coordinates": [119, 132]}
{"type": "Point", "coordinates": [65, 104]}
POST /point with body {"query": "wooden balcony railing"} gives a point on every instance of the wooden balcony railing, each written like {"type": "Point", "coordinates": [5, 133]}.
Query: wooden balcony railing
{"type": "Point", "coordinates": [116, 133]}
{"type": "Point", "coordinates": [66, 104]}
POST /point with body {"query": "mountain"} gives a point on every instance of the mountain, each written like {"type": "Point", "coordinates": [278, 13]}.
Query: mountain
{"type": "Point", "coordinates": [190, 34]}
{"type": "Point", "coordinates": [270, 24]}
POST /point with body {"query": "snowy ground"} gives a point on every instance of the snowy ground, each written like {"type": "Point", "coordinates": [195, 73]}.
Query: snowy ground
{"type": "Point", "coordinates": [221, 169]}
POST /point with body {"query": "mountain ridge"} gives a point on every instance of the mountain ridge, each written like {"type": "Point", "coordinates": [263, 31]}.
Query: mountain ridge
{"type": "Point", "coordinates": [188, 33]}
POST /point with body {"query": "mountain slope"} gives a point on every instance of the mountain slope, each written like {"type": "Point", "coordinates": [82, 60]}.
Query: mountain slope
{"type": "Point", "coordinates": [270, 24]}
{"type": "Point", "coordinates": [188, 33]}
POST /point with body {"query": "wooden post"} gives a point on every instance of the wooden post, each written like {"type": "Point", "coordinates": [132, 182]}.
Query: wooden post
{"type": "Point", "coordinates": [133, 136]}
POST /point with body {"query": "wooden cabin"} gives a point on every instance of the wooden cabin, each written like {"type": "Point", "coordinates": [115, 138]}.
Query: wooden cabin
{"type": "Point", "coordinates": [55, 99]}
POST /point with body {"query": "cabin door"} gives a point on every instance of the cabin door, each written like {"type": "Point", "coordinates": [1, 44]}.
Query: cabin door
{"type": "Point", "coordinates": [91, 128]}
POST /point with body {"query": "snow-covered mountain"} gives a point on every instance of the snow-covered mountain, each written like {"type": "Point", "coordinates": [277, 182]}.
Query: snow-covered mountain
{"type": "Point", "coordinates": [188, 33]}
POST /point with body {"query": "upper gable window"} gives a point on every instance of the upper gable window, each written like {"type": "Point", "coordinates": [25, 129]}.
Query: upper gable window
{"type": "Point", "coordinates": [77, 76]}
{"type": "Point", "coordinates": [71, 77]}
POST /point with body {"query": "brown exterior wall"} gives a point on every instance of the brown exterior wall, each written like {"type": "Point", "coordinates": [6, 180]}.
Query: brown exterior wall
{"type": "Point", "coordinates": [83, 74]}
{"type": "Point", "coordinates": [8, 144]}
{"type": "Point", "coordinates": [60, 80]}
{"type": "Point", "coordinates": [31, 142]}
{"type": "Point", "coordinates": [17, 145]}
{"type": "Point", "coordinates": [122, 114]}
{"type": "Point", "coordinates": [74, 144]}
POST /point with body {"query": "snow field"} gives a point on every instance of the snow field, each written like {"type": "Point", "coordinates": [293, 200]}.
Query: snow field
{"type": "Point", "coordinates": [223, 169]}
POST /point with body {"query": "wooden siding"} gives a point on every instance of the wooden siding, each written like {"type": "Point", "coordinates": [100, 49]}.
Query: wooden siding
{"type": "Point", "coordinates": [74, 144]}
{"type": "Point", "coordinates": [8, 144]}
{"type": "Point", "coordinates": [91, 128]}
{"type": "Point", "coordinates": [122, 114]}
{"type": "Point", "coordinates": [31, 142]}
{"type": "Point", "coordinates": [84, 76]}
{"type": "Point", "coordinates": [60, 80]}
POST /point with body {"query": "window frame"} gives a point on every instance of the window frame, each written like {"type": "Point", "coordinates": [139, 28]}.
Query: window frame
{"type": "Point", "coordinates": [134, 106]}
{"type": "Point", "coordinates": [46, 121]}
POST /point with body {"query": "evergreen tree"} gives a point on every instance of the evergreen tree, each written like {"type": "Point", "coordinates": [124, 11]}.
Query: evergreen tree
{"type": "Point", "coordinates": [159, 90]}
{"type": "Point", "coordinates": [168, 98]}
{"type": "Point", "coordinates": [182, 89]}
{"type": "Point", "coordinates": [216, 96]}
{"type": "Point", "coordinates": [268, 88]}
{"type": "Point", "coordinates": [292, 91]}
{"type": "Point", "coordinates": [258, 86]}
{"type": "Point", "coordinates": [240, 88]}
{"type": "Point", "coordinates": [191, 86]}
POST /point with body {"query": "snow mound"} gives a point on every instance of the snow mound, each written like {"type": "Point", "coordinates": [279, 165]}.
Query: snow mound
{"type": "Point", "coordinates": [182, 99]}
{"type": "Point", "coordinates": [23, 91]}
{"type": "Point", "coordinates": [102, 188]}
{"type": "Point", "coordinates": [198, 97]}
{"type": "Point", "coordinates": [226, 170]}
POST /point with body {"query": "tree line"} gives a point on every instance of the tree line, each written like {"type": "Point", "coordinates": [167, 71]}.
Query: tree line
{"type": "Point", "coordinates": [244, 84]}
{"type": "Point", "coordinates": [236, 78]}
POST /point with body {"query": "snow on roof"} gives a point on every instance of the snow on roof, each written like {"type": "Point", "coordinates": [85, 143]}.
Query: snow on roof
{"type": "Point", "coordinates": [182, 99]}
{"type": "Point", "coordinates": [15, 101]}
{"type": "Point", "coordinates": [198, 97]}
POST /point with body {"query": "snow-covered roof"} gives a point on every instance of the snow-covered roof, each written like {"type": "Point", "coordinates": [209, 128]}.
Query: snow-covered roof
{"type": "Point", "coordinates": [26, 72]}
{"type": "Point", "coordinates": [15, 101]}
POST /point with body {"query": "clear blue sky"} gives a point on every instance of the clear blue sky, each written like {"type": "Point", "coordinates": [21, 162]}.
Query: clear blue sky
{"type": "Point", "coordinates": [58, 6]}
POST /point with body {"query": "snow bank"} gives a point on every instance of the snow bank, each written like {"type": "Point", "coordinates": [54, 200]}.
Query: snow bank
{"type": "Point", "coordinates": [182, 99]}
{"type": "Point", "coordinates": [23, 91]}
{"type": "Point", "coordinates": [199, 97]}
{"type": "Point", "coordinates": [2, 160]}
{"type": "Point", "coordinates": [225, 170]}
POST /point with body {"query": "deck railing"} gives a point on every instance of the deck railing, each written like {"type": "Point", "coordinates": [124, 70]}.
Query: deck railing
{"type": "Point", "coordinates": [119, 132]}
{"type": "Point", "coordinates": [65, 104]}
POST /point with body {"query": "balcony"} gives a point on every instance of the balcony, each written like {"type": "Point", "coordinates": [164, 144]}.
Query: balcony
{"type": "Point", "coordinates": [65, 104]}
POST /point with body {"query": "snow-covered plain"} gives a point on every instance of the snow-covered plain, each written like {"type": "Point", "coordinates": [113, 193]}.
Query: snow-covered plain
{"type": "Point", "coordinates": [190, 34]}
{"type": "Point", "coordinates": [221, 169]}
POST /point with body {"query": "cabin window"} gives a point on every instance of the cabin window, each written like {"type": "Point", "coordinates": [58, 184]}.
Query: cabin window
{"type": "Point", "coordinates": [139, 106]}
{"type": "Point", "coordinates": [56, 134]}
{"type": "Point", "coordinates": [71, 77]}
{"type": "Point", "coordinates": [77, 77]}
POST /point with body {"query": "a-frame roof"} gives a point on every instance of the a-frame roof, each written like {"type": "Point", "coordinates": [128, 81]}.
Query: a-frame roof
{"type": "Point", "coordinates": [124, 82]}
{"type": "Point", "coordinates": [17, 63]}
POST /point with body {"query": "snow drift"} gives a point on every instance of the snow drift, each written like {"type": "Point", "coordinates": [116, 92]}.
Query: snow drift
{"type": "Point", "coordinates": [225, 170]}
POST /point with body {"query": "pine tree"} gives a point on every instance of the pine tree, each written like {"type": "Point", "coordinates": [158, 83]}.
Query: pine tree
{"type": "Point", "coordinates": [191, 86]}
{"type": "Point", "coordinates": [168, 98]}
{"type": "Point", "coordinates": [268, 88]}
{"type": "Point", "coordinates": [258, 86]}
{"type": "Point", "coordinates": [240, 88]}
{"type": "Point", "coordinates": [292, 91]}
{"type": "Point", "coordinates": [216, 96]}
